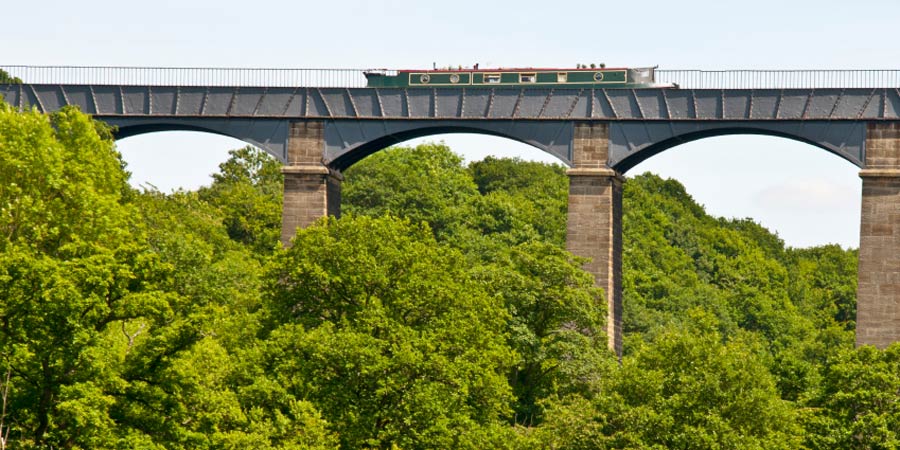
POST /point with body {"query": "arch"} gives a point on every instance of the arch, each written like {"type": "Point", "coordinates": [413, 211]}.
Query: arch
{"type": "Point", "coordinates": [177, 159]}
{"type": "Point", "coordinates": [347, 142]}
{"type": "Point", "coordinates": [633, 142]}
{"type": "Point", "coordinates": [137, 130]}
{"type": "Point", "coordinates": [269, 135]}
{"type": "Point", "coordinates": [810, 198]}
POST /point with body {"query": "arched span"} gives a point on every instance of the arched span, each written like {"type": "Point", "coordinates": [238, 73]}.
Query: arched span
{"type": "Point", "coordinates": [269, 135]}
{"type": "Point", "coordinates": [633, 142]}
{"type": "Point", "coordinates": [348, 142]}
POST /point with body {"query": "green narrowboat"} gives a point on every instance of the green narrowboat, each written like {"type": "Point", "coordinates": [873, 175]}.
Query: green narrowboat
{"type": "Point", "coordinates": [579, 78]}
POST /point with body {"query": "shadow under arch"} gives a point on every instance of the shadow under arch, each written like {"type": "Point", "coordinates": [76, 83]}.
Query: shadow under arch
{"type": "Point", "coordinates": [343, 151]}
{"type": "Point", "coordinates": [630, 145]}
{"type": "Point", "coordinates": [270, 136]}
{"type": "Point", "coordinates": [137, 130]}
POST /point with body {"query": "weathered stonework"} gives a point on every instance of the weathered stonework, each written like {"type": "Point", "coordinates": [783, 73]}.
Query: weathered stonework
{"type": "Point", "coordinates": [878, 291]}
{"type": "Point", "coordinates": [311, 189]}
{"type": "Point", "coordinates": [590, 146]}
{"type": "Point", "coordinates": [594, 221]}
{"type": "Point", "coordinates": [306, 142]}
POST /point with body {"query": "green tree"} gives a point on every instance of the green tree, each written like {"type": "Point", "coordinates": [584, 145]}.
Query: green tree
{"type": "Point", "coordinates": [387, 333]}
{"type": "Point", "coordinates": [120, 312]}
{"type": "Point", "coordinates": [425, 183]}
{"type": "Point", "coordinates": [825, 286]}
{"type": "Point", "coordinates": [145, 320]}
{"type": "Point", "coordinates": [511, 231]}
{"type": "Point", "coordinates": [71, 266]}
{"type": "Point", "coordinates": [858, 406]}
{"type": "Point", "coordinates": [557, 325]}
{"type": "Point", "coordinates": [539, 192]}
{"type": "Point", "coordinates": [686, 390]}
{"type": "Point", "coordinates": [677, 258]}
{"type": "Point", "coordinates": [6, 78]}
{"type": "Point", "coordinates": [248, 191]}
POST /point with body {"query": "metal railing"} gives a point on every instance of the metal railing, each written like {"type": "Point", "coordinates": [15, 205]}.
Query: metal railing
{"type": "Point", "coordinates": [353, 78]}
{"type": "Point", "coordinates": [779, 79]}
{"type": "Point", "coordinates": [188, 76]}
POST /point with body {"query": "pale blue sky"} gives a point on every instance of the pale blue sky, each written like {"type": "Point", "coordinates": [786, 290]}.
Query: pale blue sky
{"type": "Point", "coordinates": [808, 196]}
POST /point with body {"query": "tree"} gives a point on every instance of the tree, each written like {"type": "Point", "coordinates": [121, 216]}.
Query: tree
{"type": "Point", "coordinates": [71, 265]}
{"type": "Point", "coordinates": [6, 78]}
{"type": "Point", "coordinates": [387, 333]}
{"type": "Point", "coordinates": [425, 183]}
{"type": "Point", "coordinates": [177, 366]}
{"type": "Point", "coordinates": [686, 390]}
{"type": "Point", "coordinates": [511, 231]}
{"type": "Point", "coordinates": [109, 299]}
{"type": "Point", "coordinates": [858, 406]}
{"type": "Point", "coordinates": [557, 325]}
{"type": "Point", "coordinates": [147, 320]}
{"type": "Point", "coordinates": [826, 284]}
{"type": "Point", "coordinates": [537, 192]}
{"type": "Point", "coordinates": [248, 191]}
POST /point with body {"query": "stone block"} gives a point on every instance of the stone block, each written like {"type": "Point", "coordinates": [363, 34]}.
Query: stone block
{"type": "Point", "coordinates": [306, 142]}
{"type": "Point", "coordinates": [590, 146]}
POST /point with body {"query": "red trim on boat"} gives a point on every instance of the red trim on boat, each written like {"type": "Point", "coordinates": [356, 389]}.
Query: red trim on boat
{"type": "Point", "coordinates": [514, 69]}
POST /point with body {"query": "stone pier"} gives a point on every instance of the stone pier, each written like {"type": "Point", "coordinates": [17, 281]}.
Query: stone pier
{"type": "Point", "coordinates": [878, 292]}
{"type": "Point", "coordinates": [311, 189]}
{"type": "Point", "coordinates": [594, 222]}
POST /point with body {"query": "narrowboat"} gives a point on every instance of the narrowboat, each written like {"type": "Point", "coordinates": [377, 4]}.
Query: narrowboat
{"type": "Point", "coordinates": [577, 78]}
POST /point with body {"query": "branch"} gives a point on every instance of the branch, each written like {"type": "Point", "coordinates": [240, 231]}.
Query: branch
{"type": "Point", "coordinates": [130, 337]}
{"type": "Point", "coordinates": [4, 431]}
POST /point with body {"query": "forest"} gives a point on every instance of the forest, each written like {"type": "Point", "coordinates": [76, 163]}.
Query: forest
{"type": "Point", "coordinates": [441, 311]}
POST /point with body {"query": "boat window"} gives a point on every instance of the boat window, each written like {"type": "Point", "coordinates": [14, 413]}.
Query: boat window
{"type": "Point", "coordinates": [562, 77]}
{"type": "Point", "coordinates": [492, 78]}
{"type": "Point", "coordinates": [527, 78]}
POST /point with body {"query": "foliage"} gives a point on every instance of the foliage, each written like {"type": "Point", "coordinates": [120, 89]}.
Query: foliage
{"type": "Point", "coordinates": [702, 394]}
{"type": "Point", "coordinates": [511, 230]}
{"type": "Point", "coordinates": [122, 312]}
{"type": "Point", "coordinates": [482, 209]}
{"type": "Point", "coordinates": [537, 193]}
{"type": "Point", "coordinates": [388, 335]}
{"type": "Point", "coordinates": [858, 405]}
{"type": "Point", "coordinates": [6, 78]}
{"type": "Point", "coordinates": [69, 269]}
{"type": "Point", "coordinates": [557, 325]}
{"type": "Point", "coordinates": [425, 184]}
{"type": "Point", "coordinates": [793, 306]}
{"type": "Point", "coordinates": [441, 312]}
{"type": "Point", "coordinates": [248, 191]}
{"type": "Point", "coordinates": [825, 284]}
{"type": "Point", "coordinates": [687, 390]}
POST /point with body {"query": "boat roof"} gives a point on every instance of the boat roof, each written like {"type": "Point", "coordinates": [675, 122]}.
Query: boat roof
{"type": "Point", "coordinates": [515, 69]}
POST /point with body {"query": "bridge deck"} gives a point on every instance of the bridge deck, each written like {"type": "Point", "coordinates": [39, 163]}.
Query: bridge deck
{"type": "Point", "coordinates": [869, 104]}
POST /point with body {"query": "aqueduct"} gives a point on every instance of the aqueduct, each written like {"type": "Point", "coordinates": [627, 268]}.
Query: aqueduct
{"type": "Point", "coordinates": [600, 133]}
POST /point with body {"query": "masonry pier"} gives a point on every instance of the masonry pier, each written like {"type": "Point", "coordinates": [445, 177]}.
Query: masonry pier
{"type": "Point", "coordinates": [311, 189]}
{"type": "Point", "coordinates": [878, 294]}
{"type": "Point", "coordinates": [594, 221]}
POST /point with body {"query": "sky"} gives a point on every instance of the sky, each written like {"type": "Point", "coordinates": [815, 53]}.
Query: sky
{"type": "Point", "coordinates": [808, 196]}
